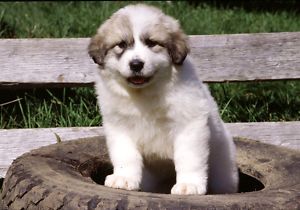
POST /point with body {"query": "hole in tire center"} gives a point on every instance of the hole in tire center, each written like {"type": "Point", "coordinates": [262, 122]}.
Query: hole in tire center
{"type": "Point", "coordinates": [99, 170]}
{"type": "Point", "coordinates": [1, 183]}
{"type": "Point", "coordinates": [249, 183]}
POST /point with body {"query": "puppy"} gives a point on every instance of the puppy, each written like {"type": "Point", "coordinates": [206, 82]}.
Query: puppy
{"type": "Point", "coordinates": [155, 108]}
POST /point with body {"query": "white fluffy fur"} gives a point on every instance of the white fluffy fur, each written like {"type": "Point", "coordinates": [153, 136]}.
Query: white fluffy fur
{"type": "Point", "coordinates": [171, 117]}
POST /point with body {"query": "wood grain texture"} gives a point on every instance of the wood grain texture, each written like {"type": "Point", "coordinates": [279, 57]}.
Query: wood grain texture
{"type": "Point", "coordinates": [247, 57]}
{"type": "Point", "coordinates": [45, 61]}
{"type": "Point", "coordinates": [14, 142]}
{"type": "Point", "coordinates": [218, 58]}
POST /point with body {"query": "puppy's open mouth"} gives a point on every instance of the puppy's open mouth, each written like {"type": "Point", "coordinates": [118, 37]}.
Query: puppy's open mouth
{"type": "Point", "coordinates": [138, 80]}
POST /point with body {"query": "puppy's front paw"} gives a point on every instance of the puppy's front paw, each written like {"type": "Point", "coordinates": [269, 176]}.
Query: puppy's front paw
{"type": "Point", "coordinates": [121, 182]}
{"type": "Point", "coordinates": [188, 189]}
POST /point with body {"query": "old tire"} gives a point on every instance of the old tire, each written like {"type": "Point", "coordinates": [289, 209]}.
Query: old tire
{"type": "Point", "coordinates": [59, 177]}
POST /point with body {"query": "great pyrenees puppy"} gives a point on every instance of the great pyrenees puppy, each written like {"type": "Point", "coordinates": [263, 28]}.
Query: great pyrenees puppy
{"type": "Point", "coordinates": [155, 108]}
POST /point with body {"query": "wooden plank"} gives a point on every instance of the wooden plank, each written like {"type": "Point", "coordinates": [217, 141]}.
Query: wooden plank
{"type": "Point", "coordinates": [285, 134]}
{"type": "Point", "coordinates": [45, 61]}
{"type": "Point", "coordinates": [65, 62]}
{"type": "Point", "coordinates": [247, 57]}
{"type": "Point", "coordinates": [14, 142]}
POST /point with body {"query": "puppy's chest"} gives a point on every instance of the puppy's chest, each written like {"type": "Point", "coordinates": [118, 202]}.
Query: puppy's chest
{"type": "Point", "coordinates": [151, 130]}
{"type": "Point", "coordinates": [152, 135]}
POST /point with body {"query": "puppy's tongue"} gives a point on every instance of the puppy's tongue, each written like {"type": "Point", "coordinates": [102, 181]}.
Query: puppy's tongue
{"type": "Point", "coordinates": [138, 80]}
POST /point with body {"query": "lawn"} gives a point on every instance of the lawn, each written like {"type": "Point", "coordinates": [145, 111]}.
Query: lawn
{"type": "Point", "coordinates": [270, 101]}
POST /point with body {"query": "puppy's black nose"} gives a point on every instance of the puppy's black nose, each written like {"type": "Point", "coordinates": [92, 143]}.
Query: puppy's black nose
{"type": "Point", "coordinates": [136, 65]}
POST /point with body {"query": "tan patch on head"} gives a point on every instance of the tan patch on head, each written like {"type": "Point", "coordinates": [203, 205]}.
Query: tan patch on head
{"type": "Point", "coordinates": [178, 47]}
{"type": "Point", "coordinates": [167, 33]}
{"type": "Point", "coordinates": [111, 32]}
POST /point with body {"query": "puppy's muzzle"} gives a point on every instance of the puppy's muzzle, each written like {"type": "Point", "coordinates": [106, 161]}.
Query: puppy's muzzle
{"type": "Point", "coordinates": [136, 65]}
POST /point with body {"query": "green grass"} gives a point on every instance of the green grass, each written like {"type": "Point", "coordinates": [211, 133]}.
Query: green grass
{"type": "Point", "coordinates": [80, 19]}
{"type": "Point", "coordinates": [271, 101]}
{"type": "Point", "coordinates": [40, 108]}
{"type": "Point", "coordinates": [258, 101]}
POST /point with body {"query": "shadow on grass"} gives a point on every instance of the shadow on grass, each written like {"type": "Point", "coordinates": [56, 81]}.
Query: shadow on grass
{"type": "Point", "coordinates": [272, 6]}
{"type": "Point", "coordinates": [41, 93]}
{"type": "Point", "coordinates": [6, 30]}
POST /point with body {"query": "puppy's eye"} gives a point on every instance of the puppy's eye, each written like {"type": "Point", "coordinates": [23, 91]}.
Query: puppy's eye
{"type": "Point", "coordinates": [150, 43]}
{"type": "Point", "coordinates": [122, 45]}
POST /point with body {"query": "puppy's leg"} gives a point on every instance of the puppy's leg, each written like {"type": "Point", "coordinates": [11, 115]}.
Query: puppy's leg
{"type": "Point", "coordinates": [191, 152]}
{"type": "Point", "coordinates": [127, 162]}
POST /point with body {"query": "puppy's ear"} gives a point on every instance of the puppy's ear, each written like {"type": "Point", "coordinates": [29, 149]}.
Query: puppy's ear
{"type": "Point", "coordinates": [178, 47]}
{"type": "Point", "coordinates": [97, 49]}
